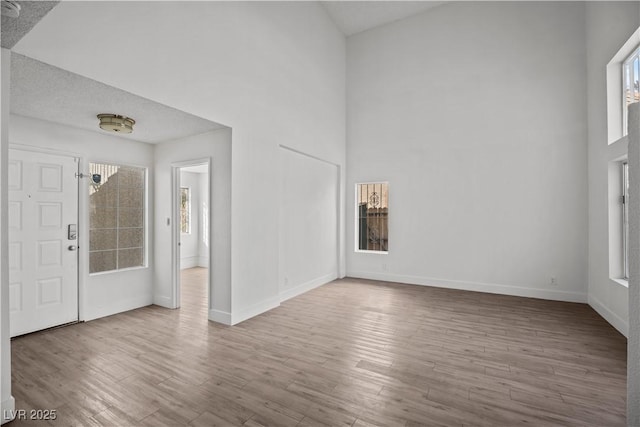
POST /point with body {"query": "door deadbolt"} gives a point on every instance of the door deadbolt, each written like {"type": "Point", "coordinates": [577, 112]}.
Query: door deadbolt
{"type": "Point", "coordinates": [72, 232]}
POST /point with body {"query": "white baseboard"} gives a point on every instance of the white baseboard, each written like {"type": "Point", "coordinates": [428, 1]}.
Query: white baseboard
{"type": "Point", "coordinates": [269, 304]}
{"type": "Point", "coordinates": [8, 408]}
{"type": "Point", "coordinates": [194, 261]}
{"type": "Point", "coordinates": [286, 294]}
{"type": "Point", "coordinates": [255, 310]}
{"type": "Point", "coordinates": [491, 288]}
{"type": "Point", "coordinates": [189, 262]}
{"type": "Point", "coordinates": [163, 301]}
{"type": "Point", "coordinates": [614, 320]}
{"type": "Point", "coordinates": [220, 316]}
{"type": "Point", "coordinates": [131, 304]}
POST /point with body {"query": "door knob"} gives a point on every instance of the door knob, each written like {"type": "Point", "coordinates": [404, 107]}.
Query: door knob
{"type": "Point", "coordinates": [73, 247]}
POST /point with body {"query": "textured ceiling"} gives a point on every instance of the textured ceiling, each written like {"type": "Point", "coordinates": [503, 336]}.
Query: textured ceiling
{"type": "Point", "coordinates": [49, 93]}
{"type": "Point", "coordinates": [31, 12]}
{"type": "Point", "coordinates": [353, 17]}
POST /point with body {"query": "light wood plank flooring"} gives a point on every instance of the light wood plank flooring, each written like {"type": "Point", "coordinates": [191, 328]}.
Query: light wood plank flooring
{"type": "Point", "coordinates": [350, 353]}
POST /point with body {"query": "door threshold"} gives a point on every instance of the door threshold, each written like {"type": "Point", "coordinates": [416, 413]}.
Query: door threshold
{"type": "Point", "coordinates": [75, 322]}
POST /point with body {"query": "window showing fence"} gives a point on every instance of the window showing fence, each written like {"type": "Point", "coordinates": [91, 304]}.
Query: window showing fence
{"type": "Point", "coordinates": [372, 210]}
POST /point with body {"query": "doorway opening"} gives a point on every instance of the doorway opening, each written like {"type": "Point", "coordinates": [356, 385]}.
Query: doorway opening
{"type": "Point", "coordinates": [192, 234]}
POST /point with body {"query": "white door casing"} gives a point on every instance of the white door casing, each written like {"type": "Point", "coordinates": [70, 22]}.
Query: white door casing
{"type": "Point", "coordinates": [43, 259]}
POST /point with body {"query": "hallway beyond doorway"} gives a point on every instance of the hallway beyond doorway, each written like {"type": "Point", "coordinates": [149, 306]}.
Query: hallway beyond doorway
{"type": "Point", "coordinates": [193, 293]}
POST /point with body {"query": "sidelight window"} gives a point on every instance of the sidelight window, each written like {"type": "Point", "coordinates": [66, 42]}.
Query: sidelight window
{"type": "Point", "coordinates": [116, 217]}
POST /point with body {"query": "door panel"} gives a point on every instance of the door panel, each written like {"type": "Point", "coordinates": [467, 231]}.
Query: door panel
{"type": "Point", "coordinates": [43, 273]}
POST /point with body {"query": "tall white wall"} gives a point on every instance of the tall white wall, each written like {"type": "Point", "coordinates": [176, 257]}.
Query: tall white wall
{"type": "Point", "coordinates": [106, 293]}
{"type": "Point", "coordinates": [308, 225]}
{"type": "Point", "coordinates": [215, 146]}
{"type": "Point", "coordinates": [608, 26]}
{"type": "Point", "coordinates": [475, 113]}
{"type": "Point", "coordinates": [190, 242]}
{"type": "Point", "coordinates": [7, 403]}
{"type": "Point", "coordinates": [272, 71]}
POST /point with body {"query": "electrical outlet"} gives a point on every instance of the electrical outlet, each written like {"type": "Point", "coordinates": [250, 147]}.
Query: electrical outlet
{"type": "Point", "coordinates": [384, 267]}
{"type": "Point", "coordinates": [554, 281]}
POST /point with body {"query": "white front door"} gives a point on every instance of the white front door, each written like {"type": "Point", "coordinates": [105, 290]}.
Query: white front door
{"type": "Point", "coordinates": [43, 256]}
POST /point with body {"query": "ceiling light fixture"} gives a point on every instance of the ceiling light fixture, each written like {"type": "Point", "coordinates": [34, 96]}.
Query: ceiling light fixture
{"type": "Point", "coordinates": [116, 123]}
{"type": "Point", "coordinates": [10, 8]}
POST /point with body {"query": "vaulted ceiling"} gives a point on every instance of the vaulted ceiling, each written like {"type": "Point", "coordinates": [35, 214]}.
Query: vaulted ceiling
{"type": "Point", "coordinates": [45, 92]}
{"type": "Point", "coordinates": [353, 17]}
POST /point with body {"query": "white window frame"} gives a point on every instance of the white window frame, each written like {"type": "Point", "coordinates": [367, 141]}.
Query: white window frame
{"type": "Point", "coordinates": [627, 70]}
{"type": "Point", "coordinates": [145, 219]}
{"type": "Point", "coordinates": [616, 103]}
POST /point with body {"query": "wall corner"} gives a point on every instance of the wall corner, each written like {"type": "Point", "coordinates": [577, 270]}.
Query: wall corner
{"type": "Point", "coordinates": [633, 344]}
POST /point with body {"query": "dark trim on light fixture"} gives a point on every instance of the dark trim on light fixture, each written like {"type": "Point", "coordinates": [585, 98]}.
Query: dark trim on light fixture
{"type": "Point", "coordinates": [10, 8]}
{"type": "Point", "coordinates": [116, 123]}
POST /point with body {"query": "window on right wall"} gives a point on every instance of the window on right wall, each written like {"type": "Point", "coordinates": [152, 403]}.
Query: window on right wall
{"type": "Point", "coordinates": [630, 84]}
{"type": "Point", "coordinates": [623, 86]}
{"type": "Point", "coordinates": [372, 217]}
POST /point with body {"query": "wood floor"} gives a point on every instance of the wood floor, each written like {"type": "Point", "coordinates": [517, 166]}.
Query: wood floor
{"type": "Point", "coordinates": [350, 353]}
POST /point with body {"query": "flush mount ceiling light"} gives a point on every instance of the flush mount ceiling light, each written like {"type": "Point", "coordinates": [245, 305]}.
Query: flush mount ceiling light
{"type": "Point", "coordinates": [10, 8]}
{"type": "Point", "coordinates": [116, 123]}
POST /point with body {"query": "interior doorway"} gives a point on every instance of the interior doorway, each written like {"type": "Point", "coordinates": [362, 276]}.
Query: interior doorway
{"type": "Point", "coordinates": [192, 232]}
